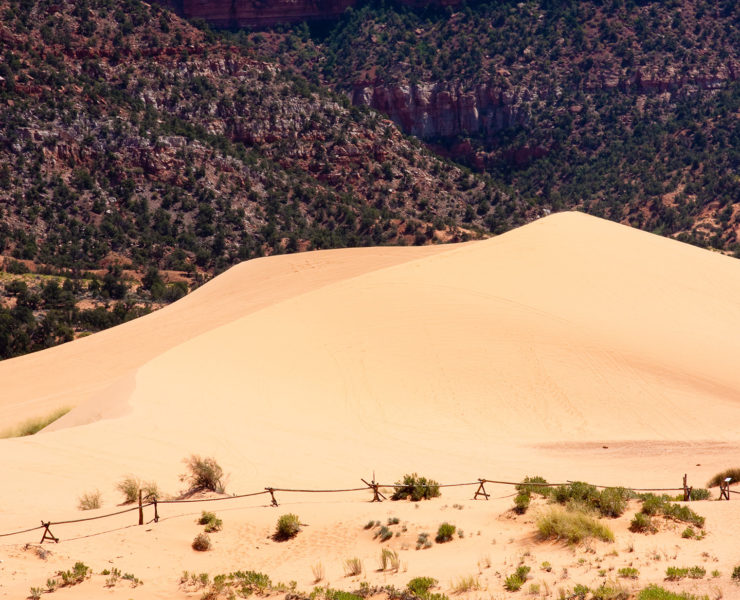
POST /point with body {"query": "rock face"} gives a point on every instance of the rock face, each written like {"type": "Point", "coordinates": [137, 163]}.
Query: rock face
{"type": "Point", "coordinates": [243, 13]}
{"type": "Point", "coordinates": [445, 110]}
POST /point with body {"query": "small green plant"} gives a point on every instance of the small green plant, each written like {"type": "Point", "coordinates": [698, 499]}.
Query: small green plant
{"type": "Point", "coordinates": [444, 533]}
{"type": "Point", "coordinates": [115, 575]}
{"type": "Point", "coordinates": [628, 572]}
{"type": "Point", "coordinates": [516, 580]}
{"type": "Point", "coordinates": [202, 542]}
{"type": "Point", "coordinates": [369, 525]}
{"type": "Point", "coordinates": [393, 521]}
{"type": "Point", "coordinates": [130, 577]}
{"type": "Point", "coordinates": [688, 533]}
{"type": "Point", "coordinates": [716, 573]}
{"type": "Point", "coordinates": [676, 573]}
{"type": "Point", "coordinates": [736, 573]}
{"type": "Point", "coordinates": [521, 502]}
{"type": "Point", "coordinates": [580, 591]}
{"type": "Point", "coordinates": [416, 488]}
{"type": "Point", "coordinates": [287, 527]}
{"type": "Point", "coordinates": [697, 572]}
{"type": "Point", "coordinates": [89, 500]}
{"type": "Point", "coordinates": [384, 534]}
{"type": "Point", "coordinates": [546, 566]}
{"type": "Point", "coordinates": [36, 593]}
{"type": "Point", "coordinates": [78, 574]}
{"type": "Point", "coordinates": [420, 586]}
{"type": "Point", "coordinates": [572, 526]}
{"type": "Point", "coordinates": [51, 584]}
{"type": "Point", "coordinates": [733, 474]}
{"type": "Point", "coordinates": [211, 521]}
{"type": "Point", "coordinates": [389, 560]}
{"type": "Point", "coordinates": [203, 474]}
{"type": "Point", "coordinates": [423, 541]}
{"type": "Point", "coordinates": [352, 567]}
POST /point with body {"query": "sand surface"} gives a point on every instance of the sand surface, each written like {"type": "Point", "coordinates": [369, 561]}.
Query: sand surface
{"type": "Point", "coordinates": [573, 348]}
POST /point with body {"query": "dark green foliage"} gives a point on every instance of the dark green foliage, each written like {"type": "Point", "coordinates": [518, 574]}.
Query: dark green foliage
{"type": "Point", "coordinates": [535, 485]}
{"type": "Point", "coordinates": [521, 502]}
{"type": "Point", "coordinates": [416, 488]}
{"type": "Point", "coordinates": [211, 521]}
{"type": "Point", "coordinates": [736, 573]}
{"type": "Point", "coordinates": [420, 586]}
{"type": "Point", "coordinates": [641, 523]}
{"type": "Point", "coordinates": [613, 501]}
{"type": "Point", "coordinates": [384, 534]}
{"type": "Point", "coordinates": [655, 592]}
{"type": "Point", "coordinates": [654, 505]}
{"type": "Point", "coordinates": [445, 533]}
{"type": "Point", "coordinates": [610, 502]}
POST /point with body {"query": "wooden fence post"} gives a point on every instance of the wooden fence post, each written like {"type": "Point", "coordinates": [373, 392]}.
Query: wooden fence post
{"type": "Point", "coordinates": [272, 495]}
{"type": "Point", "coordinates": [724, 489]}
{"type": "Point", "coordinates": [377, 496]}
{"type": "Point", "coordinates": [48, 535]}
{"type": "Point", "coordinates": [141, 510]}
{"type": "Point", "coordinates": [686, 489]}
{"type": "Point", "coordinates": [156, 514]}
{"type": "Point", "coordinates": [481, 491]}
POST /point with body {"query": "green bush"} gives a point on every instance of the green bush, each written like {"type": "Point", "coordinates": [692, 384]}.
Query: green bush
{"type": "Point", "coordinates": [202, 542]}
{"type": "Point", "coordinates": [628, 572]}
{"type": "Point", "coordinates": [653, 505]}
{"type": "Point", "coordinates": [287, 527]}
{"type": "Point", "coordinates": [535, 485]}
{"type": "Point", "coordinates": [572, 526]}
{"type": "Point", "coordinates": [419, 586]}
{"type": "Point", "coordinates": [641, 523]}
{"type": "Point", "coordinates": [612, 502]}
{"type": "Point", "coordinates": [445, 533]}
{"type": "Point", "coordinates": [583, 493]}
{"type": "Point", "coordinates": [733, 474]}
{"type": "Point", "coordinates": [384, 534]}
{"type": "Point", "coordinates": [676, 573]}
{"type": "Point", "coordinates": [736, 573]}
{"type": "Point", "coordinates": [521, 502]}
{"type": "Point", "coordinates": [203, 474]}
{"type": "Point", "coordinates": [416, 488]}
{"type": "Point", "coordinates": [77, 575]}
{"type": "Point", "coordinates": [697, 572]}
{"type": "Point", "coordinates": [211, 521]}
{"type": "Point", "coordinates": [517, 579]}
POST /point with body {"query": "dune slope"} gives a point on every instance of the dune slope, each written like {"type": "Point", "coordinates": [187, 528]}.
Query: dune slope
{"type": "Point", "coordinates": [496, 358]}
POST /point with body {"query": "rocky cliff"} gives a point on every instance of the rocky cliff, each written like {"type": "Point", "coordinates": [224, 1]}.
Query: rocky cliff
{"type": "Point", "coordinates": [245, 13]}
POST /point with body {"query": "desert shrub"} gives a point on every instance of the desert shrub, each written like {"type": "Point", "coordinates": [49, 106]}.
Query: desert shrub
{"type": "Point", "coordinates": [394, 521]}
{"type": "Point", "coordinates": [580, 492]}
{"type": "Point", "coordinates": [129, 487]}
{"type": "Point", "coordinates": [202, 542]}
{"type": "Point", "coordinates": [352, 567]}
{"type": "Point", "coordinates": [287, 527]}
{"type": "Point", "coordinates": [384, 534]}
{"type": "Point", "coordinates": [572, 526]}
{"type": "Point", "coordinates": [676, 573]}
{"type": "Point", "coordinates": [697, 572]}
{"type": "Point", "coordinates": [535, 485]}
{"type": "Point", "coordinates": [445, 533]}
{"type": "Point", "coordinates": [211, 521]}
{"type": "Point", "coordinates": [641, 523]}
{"type": "Point", "coordinates": [369, 525]}
{"type": "Point", "coordinates": [203, 474]}
{"type": "Point", "coordinates": [612, 502]}
{"type": "Point", "coordinates": [419, 586]}
{"type": "Point", "coordinates": [36, 593]}
{"type": "Point", "coordinates": [653, 505]}
{"type": "Point", "coordinates": [423, 541]}
{"type": "Point", "coordinates": [78, 574]}
{"type": "Point", "coordinates": [654, 592]}
{"type": "Point", "coordinates": [516, 580]}
{"type": "Point", "coordinates": [695, 494]}
{"type": "Point", "coordinates": [580, 591]}
{"type": "Point", "coordinates": [90, 501]}
{"type": "Point", "coordinates": [733, 474]}
{"type": "Point", "coordinates": [389, 560]}
{"type": "Point", "coordinates": [416, 488]}
{"type": "Point", "coordinates": [628, 572]}
{"type": "Point", "coordinates": [736, 573]}
{"type": "Point", "coordinates": [521, 502]}
{"type": "Point", "coordinates": [688, 533]}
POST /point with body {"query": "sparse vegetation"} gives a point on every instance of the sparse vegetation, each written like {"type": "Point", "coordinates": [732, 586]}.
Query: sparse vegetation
{"type": "Point", "coordinates": [655, 505]}
{"type": "Point", "coordinates": [318, 572]}
{"type": "Point", "coordinates": [211, 521]}
{"type": "Point", "coordinates": [203, 474]}
{"type": "Point", "coordinates": [521, 502]}
{"type": "Point", "coordinates": [736, 574]}
{"type": "Point", "coordinates": [517, 579]}
{"type": "Point", "coordinates": [445, 533]}
{"type": "Point", "coordinates": [641, 523]}
{"type": "Point", "coordinates": [423, 541]}
{"type": "Point", "coordinates": [389, 560]}
{"type": "Point", "coordinates": [78, 574]}
{"type": "Point", "coordinates": [32, 426]}
{"type": "Point", "coordinates": [287, 527]}
{"type": "Point", "coordinates": [130, 486]}
{"type": "Point", "coordinates": [416, 488]}
{"type": "Point", "coordinates": [466, 584]}
{"type": "Point", "coordinates": [655, 592]}
{"type": "Point", "coordinates": [628, 572]}
{"type": "Point", "coordinates": [572, 526]}
{"type": "Point", "coordinates": [90, 500]}
{"type": "Point", "coordinates": [202, 542]}
{"type": "Point", "coordinates": [420, 586]}
{"type": "Point", "coordinates": [352, 567]}
{"type": "Point", "coordinates": [733, 474]}
{"type": "Point", "coordinates": [384, 534]}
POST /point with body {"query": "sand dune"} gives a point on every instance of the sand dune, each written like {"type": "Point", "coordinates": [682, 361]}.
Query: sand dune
{"type": "Point", "coordinates": [572, 347]}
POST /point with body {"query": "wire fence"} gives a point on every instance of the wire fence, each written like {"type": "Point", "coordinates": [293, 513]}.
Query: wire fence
{"type": "Point", "coordinates": [372, 486]}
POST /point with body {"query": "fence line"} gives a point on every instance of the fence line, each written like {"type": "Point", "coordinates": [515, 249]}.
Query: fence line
{"type": "Point", "coordinates": [372, 487]}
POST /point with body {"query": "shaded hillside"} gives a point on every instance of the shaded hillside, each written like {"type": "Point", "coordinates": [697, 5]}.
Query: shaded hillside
{"type": "Point", "coordinates": [129, 137]}
{"type": "Point", "coordinates": [628, 110]}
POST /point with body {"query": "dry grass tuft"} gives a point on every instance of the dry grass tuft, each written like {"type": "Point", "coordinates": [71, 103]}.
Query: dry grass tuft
{"type": "Point", "coordinates": [90, 501]}
{"type": "Point", "coordinates": [572, 526]}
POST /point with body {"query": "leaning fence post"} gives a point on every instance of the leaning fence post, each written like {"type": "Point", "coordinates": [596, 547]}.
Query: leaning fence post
{"type": "Point", "coordinates": [481, 491]}
{"type": "Point", "coordinates": [377, 496]}
{"type": "Point", "coordinates": [272, 495]}
{"type": "Point", "coordinates": [48, 535]}
{"type": "Point", "coordinates": [156, 514]}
